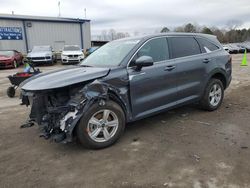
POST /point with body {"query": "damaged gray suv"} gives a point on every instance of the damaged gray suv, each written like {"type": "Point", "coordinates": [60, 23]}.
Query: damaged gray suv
{"type": "Point", "coordinates": [127, 80]}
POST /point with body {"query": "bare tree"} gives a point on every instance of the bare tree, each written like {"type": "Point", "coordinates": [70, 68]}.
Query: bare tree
{"type": "Point", "coordinates": [165, 30]}
{"type": "Point", "coordinates": [112, 34]}
{"type": "Point", "coordinates": [104, 35]}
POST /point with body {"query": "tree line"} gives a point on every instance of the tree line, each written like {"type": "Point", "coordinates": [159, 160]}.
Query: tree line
{"type": "Point", "coordinates": [227, 35]}
{"type": "Point", "coordinates": [230, 35]}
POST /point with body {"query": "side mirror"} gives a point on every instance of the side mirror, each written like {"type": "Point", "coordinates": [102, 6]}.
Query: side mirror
{"type": "Point", "coordinates": [143, 61]}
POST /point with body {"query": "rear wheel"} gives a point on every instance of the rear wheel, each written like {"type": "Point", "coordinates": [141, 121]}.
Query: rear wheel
{"type": "Point", "coordinates": [101, 126]}
{"type": "Point", "coordinates": [213, 95]}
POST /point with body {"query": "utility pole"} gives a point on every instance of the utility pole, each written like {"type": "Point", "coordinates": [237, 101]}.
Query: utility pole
{"type": "Point", "coordinates": [85, 12]}
{"type": "Point", "coordinates": [59, 9]}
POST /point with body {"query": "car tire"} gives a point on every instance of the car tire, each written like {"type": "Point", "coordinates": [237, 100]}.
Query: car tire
{"type": "Point", "coordinates": [15, 65]}
{"type": "Point", "coordinates": [213, 95]}
{"type": "Point", "coordinates": [92, 129]}
{"type": "Point", "coordinates": [11, 91]}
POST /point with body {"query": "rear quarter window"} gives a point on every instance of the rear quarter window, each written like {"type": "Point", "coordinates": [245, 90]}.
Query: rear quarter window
{"type": "Point", "coordinates": [206, 46]}
{"type": "Point", "coordinates": [184, 46]}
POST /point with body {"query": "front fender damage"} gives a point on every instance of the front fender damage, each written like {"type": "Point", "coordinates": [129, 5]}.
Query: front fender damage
{"type": "Point", "coordinates": [91, 93]}
{"type": "Point", "coordinates": [59, 121]}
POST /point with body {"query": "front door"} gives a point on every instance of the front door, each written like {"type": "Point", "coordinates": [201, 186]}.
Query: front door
{"type": "Point", "coordinates": [153, 88]}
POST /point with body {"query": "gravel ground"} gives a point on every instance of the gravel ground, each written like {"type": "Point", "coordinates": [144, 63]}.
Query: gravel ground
{"type": "Point", "coordinates": [185, 147]}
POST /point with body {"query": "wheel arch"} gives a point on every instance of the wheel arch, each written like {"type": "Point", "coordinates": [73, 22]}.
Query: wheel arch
{"type": "Point", "coordinates": [220, 75]}
{"type": "Point", "coordinates": [114, 97]}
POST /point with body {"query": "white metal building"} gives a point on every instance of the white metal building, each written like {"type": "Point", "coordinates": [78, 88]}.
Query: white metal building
{"type": "Point", "coordinates": [23, 32]}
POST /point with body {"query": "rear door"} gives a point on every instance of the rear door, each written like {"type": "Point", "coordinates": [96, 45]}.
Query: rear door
{"type": "Point", "coordinates": [186, 53]}
{"type": "Point", "coordinates": [153, 88]}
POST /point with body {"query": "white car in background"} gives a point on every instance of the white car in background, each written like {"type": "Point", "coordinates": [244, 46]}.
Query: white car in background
{"type": "Point", "coordinates": [71, 54]}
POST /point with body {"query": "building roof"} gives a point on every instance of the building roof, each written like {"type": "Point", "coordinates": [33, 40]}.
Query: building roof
{"type": "Point", "coordinates": [41, 18]}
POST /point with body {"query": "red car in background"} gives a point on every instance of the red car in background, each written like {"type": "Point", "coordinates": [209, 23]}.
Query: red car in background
{"type": "Point", "coordinates": [10, 59]}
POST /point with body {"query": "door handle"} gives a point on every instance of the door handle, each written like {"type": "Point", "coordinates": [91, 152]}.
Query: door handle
{"type": "Point", "coordinates": [169, 68]}
{"type": "Point", "coordinates": [206, 60]}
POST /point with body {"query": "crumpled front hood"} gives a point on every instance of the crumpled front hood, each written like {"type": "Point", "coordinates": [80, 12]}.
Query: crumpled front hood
{"type": "Point", "coordinates": [63, 77]}
{"type": "Point", "coordinates": [39, 54]}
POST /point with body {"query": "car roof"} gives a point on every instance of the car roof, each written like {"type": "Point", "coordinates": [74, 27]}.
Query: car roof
{"type": "Point", "coordinates": [169, 34]}
{"type": "Point", "coordinates": [144, 38]}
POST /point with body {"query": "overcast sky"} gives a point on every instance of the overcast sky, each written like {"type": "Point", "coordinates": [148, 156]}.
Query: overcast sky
{"type": "Point", "coordinates": [138, 15]}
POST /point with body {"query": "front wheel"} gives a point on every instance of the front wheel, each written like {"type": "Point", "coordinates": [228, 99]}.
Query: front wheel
{"type": "Point", "coordinates": [101, 126]}
{"type": "Point", "coordinates": [213, 95]}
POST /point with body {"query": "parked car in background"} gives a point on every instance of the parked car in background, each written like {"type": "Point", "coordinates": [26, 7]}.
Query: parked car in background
{"type": "Point", "coordinates": [226, 48]}
{"type": "Point", "coordinates": [71, 54]}
{"type": "Point", "coordinates": [245, 45]}
{"type": "Point", "coordinates": [127, 80]}
{"type": "Point", "coordinates": [232, 49]}
{"type": "Point", "coordinates": [41, 55]}
{"type": "Point", "coordinates": [241, 49]}
{"type": "Point", "coordinates": [10, 58]}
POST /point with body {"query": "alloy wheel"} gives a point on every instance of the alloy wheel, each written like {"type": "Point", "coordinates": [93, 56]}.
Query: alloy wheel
{"type": "Point", "coordinates": [103, 125]}
{"type": "Point", "coordinates": [215, 95]}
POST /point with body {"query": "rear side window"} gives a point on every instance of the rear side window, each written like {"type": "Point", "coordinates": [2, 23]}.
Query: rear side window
{"type": "Point", "coordinates": [207, 46]}
{"type": "Point", "coordinates": [184, 46]}
{"type": "Point", "coordinates": [155, 48]}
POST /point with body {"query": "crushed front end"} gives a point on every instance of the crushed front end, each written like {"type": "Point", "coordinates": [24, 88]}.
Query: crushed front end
{"type": "Point", "coordinates": [55, 111]}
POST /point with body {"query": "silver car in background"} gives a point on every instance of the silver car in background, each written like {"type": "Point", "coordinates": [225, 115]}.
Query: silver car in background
{"type": "Point", "coordinates": [41, 55]}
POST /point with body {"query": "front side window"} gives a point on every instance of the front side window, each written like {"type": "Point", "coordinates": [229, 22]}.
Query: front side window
{"type": "Point", "coordinates": [184, 46]}
{"type": "Point", "coordinates": [155, 48]}
{"type": "Point", "coordinates": [207, 46]}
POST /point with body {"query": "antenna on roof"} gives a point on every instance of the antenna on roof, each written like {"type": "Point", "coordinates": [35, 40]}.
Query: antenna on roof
{"type": "Point", "coordinates": [59, 9]}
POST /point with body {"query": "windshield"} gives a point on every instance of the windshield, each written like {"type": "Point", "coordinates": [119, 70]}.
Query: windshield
{"type": "Point", "coordinates": [41, 48]}
{"type": "Point", "coordinates": [71, 48]}
{"type": "Point", "coordinates": [6, 53]}
{"type": "Point", "coordinates": [111, 54]}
